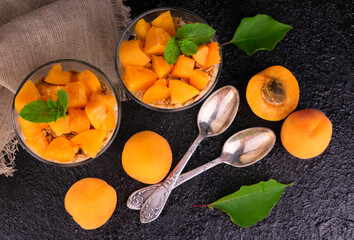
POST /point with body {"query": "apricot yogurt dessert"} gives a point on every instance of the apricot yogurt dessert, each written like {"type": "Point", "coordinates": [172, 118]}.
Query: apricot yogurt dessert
{"type": "Point", "coordinates": [149, 77]}
{"type": "Point", "coordinates": [83, 129]}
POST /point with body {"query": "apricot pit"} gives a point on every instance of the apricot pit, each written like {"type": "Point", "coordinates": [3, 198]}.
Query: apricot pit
{"type": "Point", "coordinates": [273, 93]}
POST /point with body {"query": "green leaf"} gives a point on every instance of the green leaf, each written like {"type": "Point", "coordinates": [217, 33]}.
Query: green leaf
{"type": "Point", "coordinates": [52, 104]}
{"type": "Point", "coordinates": [188, 47]}
{"type": "Point", "coordinates": [45, 112]}
{"type": "Point", "coordinates": [62, 99]}
{"type": "Point", "coordinates": [171, 51]}
{"type": "Point", "coordinates": [252, 203]}
{"type": "Point", "coordinates": [198, 33]}
{"type": "Point", "coordinates": [37, 111]}
{"type": "Point", "coordinates": [260, 32]}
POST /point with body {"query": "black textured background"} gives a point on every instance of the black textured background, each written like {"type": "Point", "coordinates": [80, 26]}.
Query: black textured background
{"type": "Point", "coordinates": [320, 205]}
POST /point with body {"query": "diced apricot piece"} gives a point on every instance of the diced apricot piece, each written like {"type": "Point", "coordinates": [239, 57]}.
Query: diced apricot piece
{"type": "Point", "coordinates": [91, 202]}
{"type": "Point", "coordinates": [57, 76]}
{"type": "Point", "coordinates": [273, 93]}
{"type": "Point", "coordinates": [141, 29]}
{"type": "Point", "coordinates": [62, 150]}
{"type": "Point", "coordinates": [156, 41]}
{"type": "Point", "coordinates": [109, 101]}
{"type": "Point", "coordinates": [138, 78]}
{"type": "Point", "coordinates": [160, 66]}
{"type": "Point", "coordinates": [48, 91]}
{"type": "Point", "coordinates": [78, 120]}
{"type": "Point", "coordinates": [158, 91]}
{"type": "Point", "coordinates": [131, 54]}
{"type": "Point", "coordinates": [99, 116]}
{"type": "Point", "coordinates": [77, 94]}
{"type": "Point", "coordinates": [147, 157]}
{"type": "Point", "coordinates": [181, 92]}
{"type": "Point", "coordinates": [201, 55]}
{"type": "Point", "coordinates": [199, 79]}
{"type": "Point", "coordinates": [61, 126]}
{"type": "Point", "coordinates": [165, 22]}
{"type": "Point", "coordinates": [35, 138]}
{"type": "Point", "coordinates": [90, 141]}
{"type": "Point", "coordinates": [183, 67]}
{"type": "Point", "coordinates": [27, 94]}
{"type": "Point", "coordinates": [306, 133]}
{"type": "Point", "coordinates": [90, 81]}
{"type": "Point", "coordinates": [213, 55]}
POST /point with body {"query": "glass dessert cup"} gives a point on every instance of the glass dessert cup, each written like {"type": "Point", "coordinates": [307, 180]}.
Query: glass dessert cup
{"type": "Point", "coordinates": [130, 31]}
{"type": "Point", "coordinates": [68, 65]}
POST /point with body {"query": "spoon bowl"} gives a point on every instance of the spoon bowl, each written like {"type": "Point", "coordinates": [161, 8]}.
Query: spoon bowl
{"type": "Point", "coordinates": [218, 111]}
{"type": "Point", "coordinates": [247, 146]}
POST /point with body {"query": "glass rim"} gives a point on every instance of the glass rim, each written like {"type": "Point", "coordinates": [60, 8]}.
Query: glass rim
{"type": "Point", "coordinates": [72, 164]}
{"type": "Point", "coordinates": [151, 107]}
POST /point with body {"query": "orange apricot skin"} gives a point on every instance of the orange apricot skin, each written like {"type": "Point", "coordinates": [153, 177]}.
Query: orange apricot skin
{"type": "Point", "coordinates": [147, 157]}
{"type": "Point", "coordinates": [27, 94]}
{"type": "Point", "coordinates": [131, 54]}
{"type": "Point", "coordinates": [184, 67]}
{"type": "Point", "coordinates": [91, 202]}
{"type": "Point", "coordinates": [201, 55]}
{"type": "Point", "coordinates": [199, 79]}
{"type": "Point", "coordinates": [62, 150]}
{"type": "Point", "coordinates": [156, 41]}
{"type": "Point", "coordinates": [213, 55]}
{"type": "Point", "coordinates": [165, 22]}
{"type": "Point", "coordinates": [158, 91]}
{"type": "Point", "coordinates": [260, 106]}
{"type": "Point", "coordinates": [142, 28]}
{"type": "Point", "coordinates": [35, 138]}
{"type": "Point", "coordinates": [306, 133]}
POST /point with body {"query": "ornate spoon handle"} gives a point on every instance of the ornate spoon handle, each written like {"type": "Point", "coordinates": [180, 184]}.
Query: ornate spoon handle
{"type": "Point", "coordinates": [153, 206]}
{"type": "Point", "coordinates": [137, 198]}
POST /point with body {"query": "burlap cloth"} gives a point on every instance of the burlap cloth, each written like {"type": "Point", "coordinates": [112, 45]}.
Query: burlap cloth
{"type": "Point", "coordinates": [33, 32]}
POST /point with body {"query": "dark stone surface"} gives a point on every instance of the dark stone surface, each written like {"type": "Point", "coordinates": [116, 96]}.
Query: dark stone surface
{"type": "Point", "coordinates": [320, 205]}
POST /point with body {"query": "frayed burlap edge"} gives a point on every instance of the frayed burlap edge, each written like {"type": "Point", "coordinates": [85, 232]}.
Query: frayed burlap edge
{"type": "Point", "coordinates": [8, 154]}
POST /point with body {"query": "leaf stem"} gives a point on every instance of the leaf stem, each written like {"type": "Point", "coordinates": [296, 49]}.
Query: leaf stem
{"type": "Point", "coordinates": [225, 44]}
{"type": "Point", "coordinates": [202, 205]}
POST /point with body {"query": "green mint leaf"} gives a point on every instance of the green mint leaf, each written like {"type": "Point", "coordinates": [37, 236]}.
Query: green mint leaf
{"type": "Point", "coordinates": [59, 113]}
{"type": "Point", "coordinates": [188, 47]}
{"type": "Point", "coordinates": [37, 112]}
{"type": "Point", "coordinates": [252, 203]}
{"type": "Point", "coordinates": [51, 104]}
{"type": "Point", "coordinates": [198, 33]}
{"type": "Point", "coordinates": [62, 102]}
{"type": "Point", "coordinates": [171, 51]}
{"type": "Point", "coordinates": [260, 32]}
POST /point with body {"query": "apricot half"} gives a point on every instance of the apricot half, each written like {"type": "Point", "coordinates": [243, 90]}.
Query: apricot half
{"type": "Point", "coordinates": [91, 202]}
{"type": "Point", "coordinates": [147, 157]}
{"type": "Point", "coordinates": [273, 93]}
{"type": "Point", "coordinates": [306, 133]}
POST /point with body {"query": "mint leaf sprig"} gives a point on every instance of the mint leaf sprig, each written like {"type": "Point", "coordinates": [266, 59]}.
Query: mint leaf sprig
{"type": "Point", "coordinates": [187, 40]}
{"type": "Point", "coordinates": [46, 111]}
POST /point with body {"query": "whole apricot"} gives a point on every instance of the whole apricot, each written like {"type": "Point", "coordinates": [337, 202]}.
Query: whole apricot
{"type": "Point", "coordinates": [306, 133]}
{"type": "Point", "coordinates": [273, 93]}
{"type": "Point", "coordinates": [147, 157]}
{"type": "Point", "coordinates": [91, 202]}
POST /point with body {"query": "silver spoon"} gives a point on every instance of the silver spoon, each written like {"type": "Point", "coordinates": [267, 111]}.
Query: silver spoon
{"type": "Point", "coordinates": [240, 150]}
{"type": "Point", "coordinates": [214, 117]}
